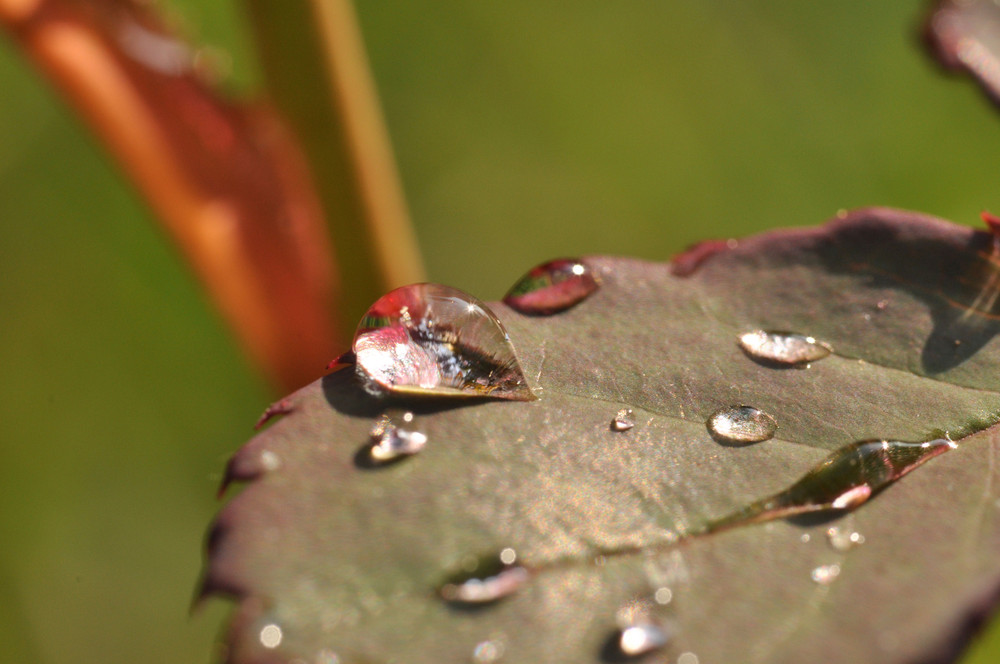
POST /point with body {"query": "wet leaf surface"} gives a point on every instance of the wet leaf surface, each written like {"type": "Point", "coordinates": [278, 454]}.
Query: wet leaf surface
{"type": "Point", "coordinates": [336, 561]}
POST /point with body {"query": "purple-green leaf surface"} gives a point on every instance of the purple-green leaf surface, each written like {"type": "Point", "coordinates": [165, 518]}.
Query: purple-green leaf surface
{"type": "Point", "coordinates": [334, 560]}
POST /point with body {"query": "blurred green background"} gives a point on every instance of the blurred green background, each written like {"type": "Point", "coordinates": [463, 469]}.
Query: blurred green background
{"type": "Point", "coordinates": [523, 131]}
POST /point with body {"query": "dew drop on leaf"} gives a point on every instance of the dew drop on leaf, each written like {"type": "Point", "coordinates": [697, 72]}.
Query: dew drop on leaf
{"type": "Point", "coordinates": [487, 580]}
{"type": "Point", "coordinates": [741, 425]}
{"type": "Point", "coordinates": [825, 574]}
{"type": "Point", "coordinates": [552, 287]}
{"type": "Point", "coordinates": [783, 348]}
{"type": "Point", "coordinates": [436, 340]}
{"type": "Point", "coordinates": [391, 441]}
{"type": "Point", "coordinates": [845, 480]}
{"type": "Point", "coordinates": [623, 420]}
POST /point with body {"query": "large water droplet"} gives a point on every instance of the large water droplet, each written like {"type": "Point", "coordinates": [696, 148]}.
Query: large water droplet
{"type": "Point", "coordinates": [435, 340]}
{"type": "Point", "coordinates": [741, 425]}
{"type": "Point", "coordinates": [784, 348]}
{"type": "Point", "coordinates": [843, 539]}
{"type": "Point", "coordinates": [552, 287]}
{"type": "Point", "coordinates": [846, 479]}
{"type": "Point", "coordinates": [391, 441]}
{"type": "Point", "coordinates": [623, 421]}
{"type": "Point", "coordinates": [486, 580]}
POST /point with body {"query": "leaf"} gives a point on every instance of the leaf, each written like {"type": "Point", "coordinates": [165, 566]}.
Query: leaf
{"type": "Point", "coordinates": [334, 560]}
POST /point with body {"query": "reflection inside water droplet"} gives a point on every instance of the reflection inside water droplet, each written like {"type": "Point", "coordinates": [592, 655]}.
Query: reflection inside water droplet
{"type": "Point", "coordinates": [487, 580]}
{"type": "Point", "coordinates": [640, 639]}
{"type": "Point", "coordinates": [436, 340]}
{"type": "Point", "coordinates": [741, 425]}
{"type": "Point", "coordinates": [270, 636]}
{"type": "Point", "coordinates": [552, 287]}
{"type": "Point", "coordinates": [843, 481]}
{"type": "Point", "coordinates": [784, 348]}
{"type": "Point", "coordinates": [389, 441]}
{"type": "Point", "coordinates": [825, 574]}
{"type": "Point", "coordinates": [488, 651]}
{"type": "Point", "coordinates": [843, 539]}
{"type": "Point", "coordinates": [327, 656]}
{"type": "Point", "coordinates": [623, 420]}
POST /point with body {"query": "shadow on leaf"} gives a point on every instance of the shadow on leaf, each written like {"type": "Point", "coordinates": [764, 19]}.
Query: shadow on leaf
{"type": "Point", "coordinates": [964, 307]}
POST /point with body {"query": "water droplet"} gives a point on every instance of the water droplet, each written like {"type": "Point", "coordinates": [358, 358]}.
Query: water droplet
{"type": "Point", "coordinates": [825, 574]}
{"type": "Point", "coordinates": [552, 287]}
{"type": "Point", "coordinates": [389, 441]}
{"type": "Point", "coordinates": [663, 595]}
{"type": "Point", "coordinates": [843, 539]}
{"type": "Point", "coordinates": [640, 639]}
{"type": "Point", "coordinates": [487, 652]}
{"type": "Point", "coordinates": [741, 425]}
{"type": "Point", "coordinates": [783, 348]}
{"type": "Point", "coordinates": [846, 479]}
{"type": "Point", "coordinates": [435, 340]}
{"type": "Point", "coordinates": [623, 420]}
{"type": "Point", "coordinates": [270, 636]}
{"type": "Point", "coordinates": [804, 538]}
{"type": "Point", "coordinates": [486, 580]}
{"type": "Point", "coordinates": [687, 658]}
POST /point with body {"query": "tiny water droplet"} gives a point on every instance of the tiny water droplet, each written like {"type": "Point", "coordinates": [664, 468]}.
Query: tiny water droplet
{"type": "Point", "coordinates": [270, 636]}
{"type": "Point", "coordinates": [663, 595]}
{"type": "Point", "coordinates": [741, 425]}
{"type": "Point", "coordinates": [687, 658]}
{"type": "Point", "coordinates": [623, 420]}
{"type": "Point", "coordinates": [487, 652]}
{"type": "Point", "coordinates": [845, 480]}
{"type": "Point", "coordinates": [435, 340]}
{"type": "Point", "coordinates": [640, 639]}
{"type": "Point", "coordinates": [489, 579]}
{"type": "Point", "coordinates": [825, 574]}
{"type": "Point", "coordinates": [552, 287]}
{"type": "Point", "coordinates": [785, 348]}
{"type": "Point", "coordinates": [804, 538]}
{"type": "Point", "coordinates": [389, 441]}
{"type": "Point", "coordinates": [843, 539]}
